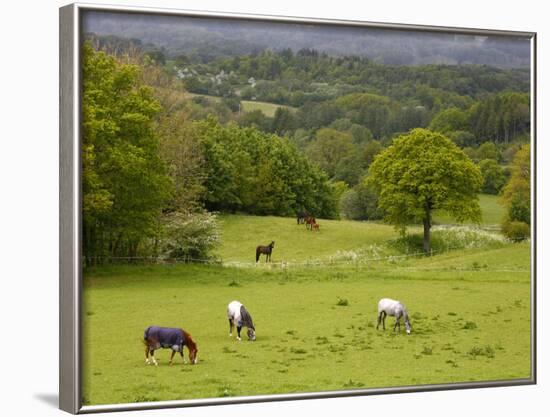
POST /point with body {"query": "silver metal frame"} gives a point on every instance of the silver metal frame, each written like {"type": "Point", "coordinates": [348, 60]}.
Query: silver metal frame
{"type": "Point", "coordinates": [70, 272]}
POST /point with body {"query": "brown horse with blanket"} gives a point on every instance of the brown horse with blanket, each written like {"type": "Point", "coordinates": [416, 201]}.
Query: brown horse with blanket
{"type": "Point", "coordinates": [168, 338]}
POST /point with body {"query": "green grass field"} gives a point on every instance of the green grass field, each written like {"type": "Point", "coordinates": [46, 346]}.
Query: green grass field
{"type": "Point", "coordinates": [470, 313]}
{"type": "Point", "coordinates": [293, 243]}
{"type": "Point", "coordinates": [492, 211]}
{"type": "Point", "coordinates": [266, 108]}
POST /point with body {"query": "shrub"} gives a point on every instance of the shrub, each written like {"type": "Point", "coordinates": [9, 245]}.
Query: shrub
{"type": "Point", "coordinates": [493, 176]}
{"type": "Point", "coordinates": [448, 238]}
{"type": "Point", "coordinates": [427, 350]}
{"type": "Point", "coordinates": [470, 325]}
{"type": "Point", "coordinates": [519, 209]}
{"type": "Point", "coordinates": [486, 351]}
{"type": "Point", "coordinates": [360, 203]}
{"type": "Point", "coordinates": [515, 230]}
{"type": "Point", "coordinates": [343, 302]}
{"type": "Point", "coordinates": [189, 235]}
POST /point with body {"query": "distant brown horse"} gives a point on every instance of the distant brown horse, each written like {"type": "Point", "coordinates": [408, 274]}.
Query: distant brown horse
{"type": "Point", "coordinates": [266, 250]}
{"type": "Point", "coordinates": [310, 221]}
{"type": "Point", "coordinates": [315, 226]}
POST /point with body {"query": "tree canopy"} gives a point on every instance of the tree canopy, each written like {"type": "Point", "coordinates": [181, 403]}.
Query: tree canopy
{"type": "Point", "coordinates": [124, 181]}
{"type": "Point", "coordinates": [421, 172]}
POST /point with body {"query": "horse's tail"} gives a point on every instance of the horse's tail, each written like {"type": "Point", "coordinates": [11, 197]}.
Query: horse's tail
{"type": "Point", "coordinates": [257, 254]}
{"type": "Point", "coordinates": [146, 335]}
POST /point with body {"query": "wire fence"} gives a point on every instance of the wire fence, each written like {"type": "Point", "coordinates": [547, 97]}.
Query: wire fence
{"type": "Point", "coordinates": [352, 261]}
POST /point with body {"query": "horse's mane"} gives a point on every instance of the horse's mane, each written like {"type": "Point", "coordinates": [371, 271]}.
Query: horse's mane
{"type": "Point", "coordinates": [247, 318]}
{"type": "Point", "coordinates": [189, 340]}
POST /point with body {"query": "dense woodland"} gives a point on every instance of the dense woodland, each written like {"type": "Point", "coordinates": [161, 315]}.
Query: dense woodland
{"type": "Point", "coordinates": [167, 142]}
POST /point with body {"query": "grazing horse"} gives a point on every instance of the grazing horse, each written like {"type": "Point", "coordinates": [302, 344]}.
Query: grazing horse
{"type": "Point", "coordinates": [239, 317]}
{"type": "Point", "coordinates": [166, 337]}
{"type": "Point", "coordinates": [310, 221]}
{"type": "Point", "coordinates": [315, 226]}
{"type": "Point", "coordinates": [301, 216]}
{"type": "Point", "coordinates": [389, 307]}
{"type": "Point", "coordinates": [266, 250]}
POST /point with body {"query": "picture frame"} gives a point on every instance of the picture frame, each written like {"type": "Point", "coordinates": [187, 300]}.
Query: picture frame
{"type": "Point", "coordinates": [71, 206]}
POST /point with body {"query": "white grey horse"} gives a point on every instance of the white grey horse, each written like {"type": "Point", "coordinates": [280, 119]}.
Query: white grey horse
{"type": "Point", "coordinates": [389, 307]}
{"type": "Point", "coordinates": [239, 317]}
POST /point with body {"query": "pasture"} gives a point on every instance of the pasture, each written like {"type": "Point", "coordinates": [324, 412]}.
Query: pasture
{"type": "Point", "coordinates": [492, 211]}
{"type": "Point", "coordinates": [315, 324]}
{"type": "Point", "coordinates": [268, 109]}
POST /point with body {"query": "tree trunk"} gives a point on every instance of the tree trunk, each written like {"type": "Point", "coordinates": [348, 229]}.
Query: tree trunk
{"type": "Point", "coordinates": [427, 226]}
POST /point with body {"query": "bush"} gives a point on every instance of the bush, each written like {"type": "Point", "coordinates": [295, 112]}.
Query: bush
{"type": "Point", "coordinates": [343, 302]}
{"type": "Point", "coordinates": [360, 203]}
{"type": "Point", "coordinates": [516, 230]}
{"type": "Point", "coordinates": [448, 238]}
{"type": "Point", "coordinates": [189, 235]}
{"type": "Point", "coordinates": [519, 210]}
{"type": "Point", "coordinates": [493, 176]}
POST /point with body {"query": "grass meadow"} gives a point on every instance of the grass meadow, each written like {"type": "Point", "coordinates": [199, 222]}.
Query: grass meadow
{"type": "Point", "coordinates": [315, 324]}
{"type": "Point", "coordinates": [268, 109]}
{"type": "Point", "coordinates": [492, 211]}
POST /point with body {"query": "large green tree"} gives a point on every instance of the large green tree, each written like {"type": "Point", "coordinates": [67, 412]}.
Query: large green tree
{"type": "Point", "coordinates": [124, 180]}
{"type": "Point", "coordinates": [421, 172]}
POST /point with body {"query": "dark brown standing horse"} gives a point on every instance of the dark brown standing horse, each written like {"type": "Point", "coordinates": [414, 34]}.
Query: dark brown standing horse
{"type": "Point", "coordinates": [266, 250]}
{"type": "Point", "coordinates": [301, 216]}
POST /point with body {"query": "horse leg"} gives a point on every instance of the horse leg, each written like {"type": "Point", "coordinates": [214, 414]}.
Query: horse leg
{"type": "Point", "coordinates": [397, 323]}
{"type": "Point", "coordinates": [152, 352]}
{"type": "Point", "coordinates": [384, 320]}
{"type": "Point", "coordinates": [230, 327]}
{"type": "Point", "coordinates": [183, 357]}
{"type": "Point", "coordinates": [239, 332]}
{"type": "Point", "coordinates": [171, 357]}
{"type": "Point", "coordinates": [379, 320]}
{"type": "Point", "coordinates": [147, 355]}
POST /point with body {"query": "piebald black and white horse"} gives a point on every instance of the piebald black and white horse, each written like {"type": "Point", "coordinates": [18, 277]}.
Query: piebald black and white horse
{"type": "Point", "coordinates": [389, 307]}
{"type": "Point", "coordinates": [156, 337]}
{"type": "Point", "coordinates": [266, 250]}
{"type": "Point", "coordinates": [239, 317]}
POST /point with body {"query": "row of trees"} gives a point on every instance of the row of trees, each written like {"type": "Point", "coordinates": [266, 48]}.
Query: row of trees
{"type": "Point", "coordinates": [289, 78]}
{"type": "Point", "coordinates": [248, 170]}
